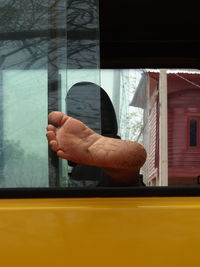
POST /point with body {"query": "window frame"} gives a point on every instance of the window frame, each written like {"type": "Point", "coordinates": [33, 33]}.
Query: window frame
{"type": "Point", "coordinates": [102, 192]}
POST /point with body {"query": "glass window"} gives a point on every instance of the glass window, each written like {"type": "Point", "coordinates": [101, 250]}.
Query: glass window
{"type": "Point", "coordinates": [40, 41]}
{"type": "Point", "coordinates": [49, 60]}
{"type": "Point", "coordinates": [193, 133]}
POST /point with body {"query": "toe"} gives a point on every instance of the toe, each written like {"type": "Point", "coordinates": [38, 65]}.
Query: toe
{"type": "Point", "coordinates": [57, 118]}
{"type": "Point", "coordinates": [61, 154]}
{"type": "Point", "coordinates": [54, 145]}
{"type": "Point", "coordinates": [51, 136]}
{"type": "Point", "coordinates": [50, 127]}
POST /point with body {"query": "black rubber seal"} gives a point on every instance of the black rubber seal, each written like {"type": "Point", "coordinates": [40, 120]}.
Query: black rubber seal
{"type": "Point", "coordinates": [189, 191]}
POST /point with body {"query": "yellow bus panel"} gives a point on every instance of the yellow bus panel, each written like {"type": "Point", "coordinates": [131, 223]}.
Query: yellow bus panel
{"type": "Point", "coordinates": [100, 232]}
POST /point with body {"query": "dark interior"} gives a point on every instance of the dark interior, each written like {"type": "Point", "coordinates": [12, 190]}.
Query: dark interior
{"type": "Point", "coordinates": [149, 34]}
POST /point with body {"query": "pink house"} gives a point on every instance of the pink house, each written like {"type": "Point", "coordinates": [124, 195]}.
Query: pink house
{"type": "Point", "coordinates": [171, 130]}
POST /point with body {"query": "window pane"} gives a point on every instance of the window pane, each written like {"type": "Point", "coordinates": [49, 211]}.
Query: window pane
{"type": "Point", "coordinates": [25, 43]}
{"type": "Point", "coordinates": [39, 42]}
{"type": "Point", "coordinates": [46, 49]}
{"type": "Point", "coordinates": [25, 152]}
{"type": "Point", "coordinates": [193, 132]}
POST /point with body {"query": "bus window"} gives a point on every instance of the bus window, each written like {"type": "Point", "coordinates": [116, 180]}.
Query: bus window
{"type": "Point", "coordinates": [49, 58]}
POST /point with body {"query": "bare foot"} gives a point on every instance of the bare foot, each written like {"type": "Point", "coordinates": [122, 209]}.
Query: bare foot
{"type": "Point", "coordinates": [74, 141]}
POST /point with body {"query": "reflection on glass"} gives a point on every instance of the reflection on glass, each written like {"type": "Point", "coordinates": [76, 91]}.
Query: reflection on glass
{"type": "Point", "coordinates": [24, 116]}
{"type": "Point", "coordinates": [32, 50]}
{"type": "Point", "coordinates": [39, 40]}
{"type": "Point", "coordinates": [83, 34]}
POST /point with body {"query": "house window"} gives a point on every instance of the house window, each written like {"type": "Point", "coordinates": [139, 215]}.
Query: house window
{"type": "Point", "coordinates": [193, 133]}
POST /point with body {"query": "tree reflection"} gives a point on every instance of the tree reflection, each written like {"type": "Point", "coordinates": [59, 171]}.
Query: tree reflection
{"type": "Point", "coordinates": [46, 35]}
{"type": "Point", "coordinates": [20, 166]}
{"type": "Point", "coordinates": [32, 33]}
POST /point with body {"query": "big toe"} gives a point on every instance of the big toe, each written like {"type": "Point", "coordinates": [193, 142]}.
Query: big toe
{"type": "Point", "coordinates": [57, 117]}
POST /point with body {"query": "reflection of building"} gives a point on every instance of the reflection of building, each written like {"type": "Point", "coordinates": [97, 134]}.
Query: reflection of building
{"type": "Point", "coordinates": [181, 112]}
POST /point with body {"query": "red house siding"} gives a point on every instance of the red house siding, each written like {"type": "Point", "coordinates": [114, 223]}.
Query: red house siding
{"type": "Point", "coordinates": [183, 106]}
{"type": "Point", "coordinates": [152, 144]}
{"type": "Point", "coordinates": [184, 160]}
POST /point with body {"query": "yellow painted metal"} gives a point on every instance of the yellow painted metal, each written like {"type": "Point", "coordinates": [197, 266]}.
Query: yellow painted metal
{"type": "Point", "coordinates": [96, 232]}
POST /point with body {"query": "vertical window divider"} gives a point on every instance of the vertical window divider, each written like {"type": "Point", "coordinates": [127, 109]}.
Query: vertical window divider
{"type": "Point", "coordinates": [1, 127]}
{"type": "Point", "coordinates": [53, 87]}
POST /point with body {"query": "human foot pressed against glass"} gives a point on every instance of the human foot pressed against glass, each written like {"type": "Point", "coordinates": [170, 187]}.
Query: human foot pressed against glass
{"type": "Point", "coordinates": [72, 140]}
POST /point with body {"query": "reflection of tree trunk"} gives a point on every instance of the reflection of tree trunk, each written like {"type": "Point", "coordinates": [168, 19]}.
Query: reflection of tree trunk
{"type": "Point", "coordinates": [1, 127]}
